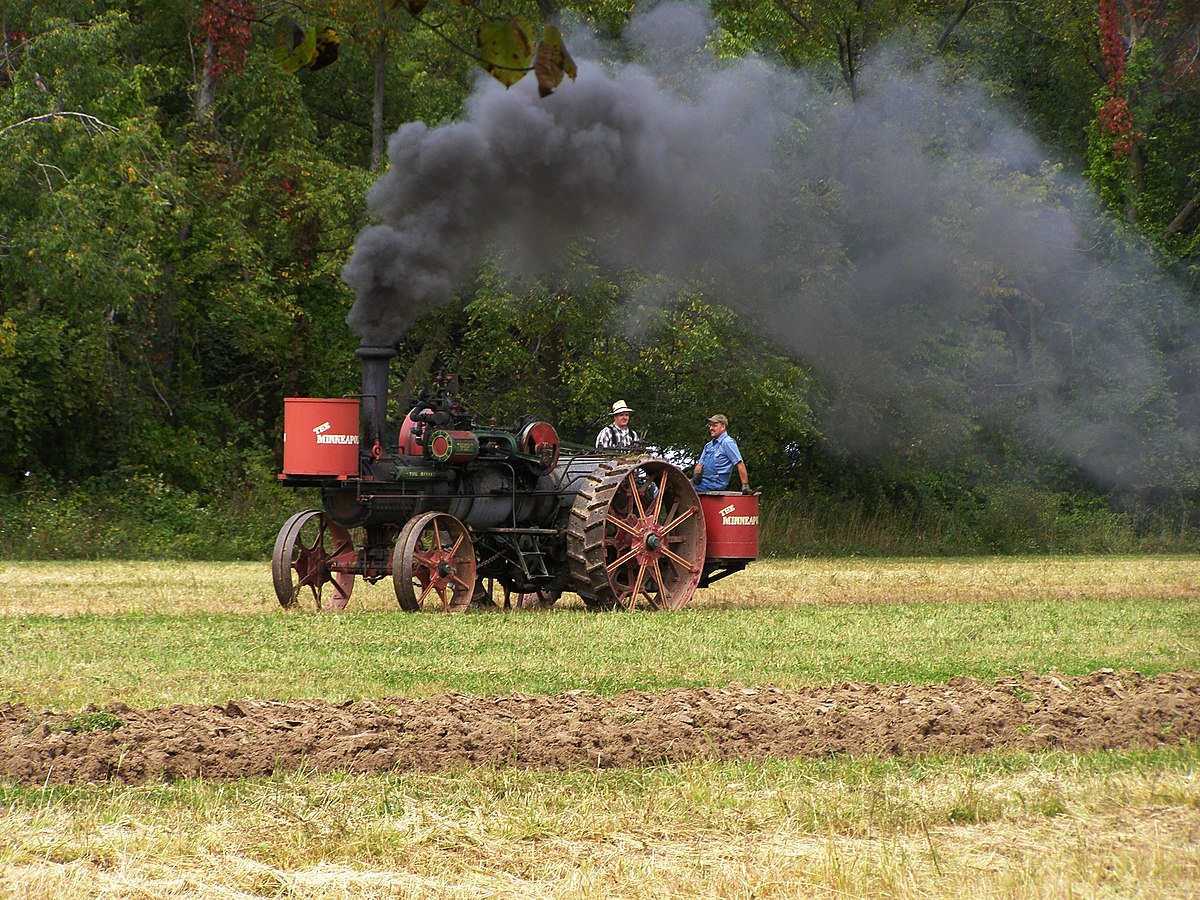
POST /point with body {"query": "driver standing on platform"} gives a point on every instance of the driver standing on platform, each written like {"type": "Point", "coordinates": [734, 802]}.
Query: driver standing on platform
{"type": "Point", "coordinates": [718, 459]}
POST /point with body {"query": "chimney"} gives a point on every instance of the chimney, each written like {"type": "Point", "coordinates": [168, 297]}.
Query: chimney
{"type": "Point", "coordinates": [375, 363]}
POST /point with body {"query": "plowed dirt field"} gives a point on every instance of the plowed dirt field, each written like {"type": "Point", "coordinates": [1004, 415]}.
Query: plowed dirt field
{"type": "Point", "coordinates": [574, 730]}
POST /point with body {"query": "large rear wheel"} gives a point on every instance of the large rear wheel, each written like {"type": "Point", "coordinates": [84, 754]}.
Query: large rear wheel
{"type": "Point", "coordinates": [636, 534]}
{"type": "Point", "coordinates": [308, 552]}
{"type": "Point", "coordinates": [434, 557]}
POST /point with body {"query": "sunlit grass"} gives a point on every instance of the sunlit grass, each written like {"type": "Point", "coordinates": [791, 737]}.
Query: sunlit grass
{"type": "Point", "coordinates": [1047, 825]}
{"type": "Point", "coordinates": [67, 662]}
{"type": "Point", "coordinates": [75, 587]}
{"type": "Point", "coordinates": [997, 825]}
{"type": "Point", "coordinates": [147, 634]}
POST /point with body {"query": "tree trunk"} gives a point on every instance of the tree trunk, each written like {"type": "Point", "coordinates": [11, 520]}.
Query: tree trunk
{"type": "Point", "coordinates": [952, 23]}
{"type": "Point", "coordinates": [381, 58]}
{"type": "Point", "coordinates": [1137, 182]}
{"type": "Point", "coordinates": [206, 88]}
{"type": "Point", "coordinates": [1181, 218]}
{"type": "Point", "coordinates": [848, 61]}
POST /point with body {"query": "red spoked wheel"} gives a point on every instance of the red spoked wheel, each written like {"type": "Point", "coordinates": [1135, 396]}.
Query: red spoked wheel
{"type": "Point", "coordinates": [434, 556]}
{"type": "Point", "coordinates": [637, 533]}
{"type": "Point", "coordinates": [311, 552]}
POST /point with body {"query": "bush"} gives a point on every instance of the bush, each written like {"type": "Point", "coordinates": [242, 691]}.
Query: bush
{"type": "Point", "coordinates": [140, 516]}
{"type": "Point", "coordinates": [1013, 520]}
{"type": "Point", "coordinates": [1007, 520]}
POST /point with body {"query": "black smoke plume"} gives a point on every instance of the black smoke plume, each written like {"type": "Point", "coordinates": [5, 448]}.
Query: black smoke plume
{"type": "Point", "coordinates": [914, 246]}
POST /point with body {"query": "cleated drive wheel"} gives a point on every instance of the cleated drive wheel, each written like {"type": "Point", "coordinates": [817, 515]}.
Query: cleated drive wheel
{"type": "Point", "coordinates": [636, 532]}
{"type": "Point", "coordinates": [434, 556]}
{"type": "Point", "coordinates": [308, 552]}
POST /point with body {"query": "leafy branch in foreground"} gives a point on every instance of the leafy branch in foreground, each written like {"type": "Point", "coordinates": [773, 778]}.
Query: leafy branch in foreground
{"type": "Point", "coordinates": [506, 46]}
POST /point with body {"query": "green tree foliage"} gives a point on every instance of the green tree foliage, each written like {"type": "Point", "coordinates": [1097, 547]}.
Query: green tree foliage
{"type": "Point", "coordinates": [161, 281]}
{"type": "Point", "coordinates": [1145, 142]}
{"type": "Point", "coordinates": [1038, 56]}
{"type": "Point", "coordinates": [175, 209]}
{"type": "Point", "coordinates": [565, 353]}
{"type": "Point", "coordinates": [86, 204]}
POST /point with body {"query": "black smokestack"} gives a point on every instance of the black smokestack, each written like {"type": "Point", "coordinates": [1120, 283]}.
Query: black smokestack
{"type": "Point", "coordinates": [915, 247]}
{"type": "Point", "coordinates": [375, 362]}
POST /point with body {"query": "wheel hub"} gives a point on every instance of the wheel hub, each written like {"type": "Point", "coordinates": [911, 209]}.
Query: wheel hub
{"type": "Point", "coordinates": [648, 541]}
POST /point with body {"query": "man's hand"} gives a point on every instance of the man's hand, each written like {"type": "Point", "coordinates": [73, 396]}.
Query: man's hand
{"type": "Point", "coordinates": [746, 489]}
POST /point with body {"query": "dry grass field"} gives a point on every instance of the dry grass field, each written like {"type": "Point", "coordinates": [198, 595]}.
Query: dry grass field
{"type": "Point", "coordinates": [96, 655]}
{"type": "Point", "coordinates": [75, 588]}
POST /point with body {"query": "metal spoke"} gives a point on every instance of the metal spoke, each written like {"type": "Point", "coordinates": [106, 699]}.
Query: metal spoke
{"type": "Point", "coordinates": [683, 517]}
{"type": "Point", "coordinates": [662, 492]}
{"type": "Point", "coordinates": [637, 586]}
{"type": "Point", "coordinates": [425, 593]}
{"type": "Point", "coordinates": [637, 495]}
{"type": "Point", "coordinates": [677, 559]}
{"type": "Point", "coordinates": [663, 590]}
{"type": "Point", "coordinates": [623, 525]}
{"type": "Point", "coordinates": [621, 560]}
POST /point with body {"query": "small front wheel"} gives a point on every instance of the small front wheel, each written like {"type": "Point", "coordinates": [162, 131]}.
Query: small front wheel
{"type": "Point", "coordinates": [308, 553]}
{"type": "Point", "coordinates": [434, 556]}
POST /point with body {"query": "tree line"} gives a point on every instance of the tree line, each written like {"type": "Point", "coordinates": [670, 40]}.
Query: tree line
{"type": "Point", "coordinates": [184, 182]}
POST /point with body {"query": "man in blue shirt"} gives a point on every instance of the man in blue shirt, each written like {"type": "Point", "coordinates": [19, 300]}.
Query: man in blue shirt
{"type": "Point", "coordinates": [718, 459]}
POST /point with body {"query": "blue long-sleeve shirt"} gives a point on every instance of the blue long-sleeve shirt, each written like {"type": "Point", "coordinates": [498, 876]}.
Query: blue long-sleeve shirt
{"type": "Point", "coordinates": [717, 461]}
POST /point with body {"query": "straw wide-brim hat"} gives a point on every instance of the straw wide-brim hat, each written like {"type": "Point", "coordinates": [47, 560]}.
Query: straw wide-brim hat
{"type": "Point", "coordinates": [621, 407]}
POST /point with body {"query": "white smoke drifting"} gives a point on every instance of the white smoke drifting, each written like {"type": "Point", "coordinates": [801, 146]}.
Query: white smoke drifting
{"type": "Point", "coordinates": [911, 246]}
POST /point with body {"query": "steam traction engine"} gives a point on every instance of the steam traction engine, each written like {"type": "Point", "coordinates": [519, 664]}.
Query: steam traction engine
{"type": "Point", "coordinates": [448, 509]}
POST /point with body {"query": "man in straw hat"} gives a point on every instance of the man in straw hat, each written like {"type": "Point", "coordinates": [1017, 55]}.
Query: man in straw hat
{"type": "Point", "coordinates": [618, 435]}
{"type": "Point", "coordinates": [719, 458]}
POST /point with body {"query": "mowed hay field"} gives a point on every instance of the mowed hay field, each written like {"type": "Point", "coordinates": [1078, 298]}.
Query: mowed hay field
{"type": "Point", "coordinates": [80, 637]}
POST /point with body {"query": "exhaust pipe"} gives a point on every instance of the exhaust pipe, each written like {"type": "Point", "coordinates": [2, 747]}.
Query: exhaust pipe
{"type": "Point", "coordinates": [375, 362]}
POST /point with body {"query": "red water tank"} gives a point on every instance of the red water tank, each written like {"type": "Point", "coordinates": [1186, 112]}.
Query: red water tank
{"type": "Point", "coordinates": [731, 524]}
{"type": "Point", "coordinates": [320, 436]}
